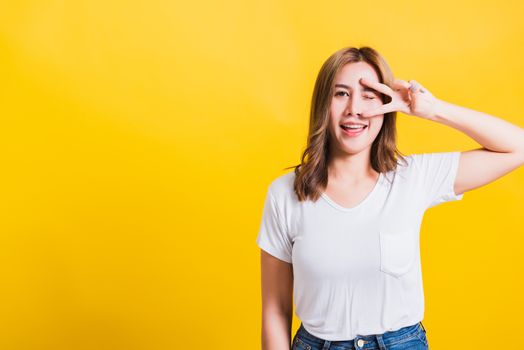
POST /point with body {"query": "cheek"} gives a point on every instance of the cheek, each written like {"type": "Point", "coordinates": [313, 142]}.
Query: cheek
{"type": "Point", "coordinates": [336, 107]}
{"type": "Point", "coordinates": [333, 124]}
{"type": "Point", "coordinates": [375, 102]}
{"type": "Point", "coordinates": [376, 125]}
{"type": "Point", "coordinates": [370, 105]}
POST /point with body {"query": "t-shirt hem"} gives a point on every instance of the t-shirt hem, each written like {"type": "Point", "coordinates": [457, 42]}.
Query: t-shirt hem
{"type": "Point", "coordinates": [336, 337]}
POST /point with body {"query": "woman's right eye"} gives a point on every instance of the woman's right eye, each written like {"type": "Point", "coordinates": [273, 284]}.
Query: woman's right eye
{"type": "Point", "coordinates": [339, 93]}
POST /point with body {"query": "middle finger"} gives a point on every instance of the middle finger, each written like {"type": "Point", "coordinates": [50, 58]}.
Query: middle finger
{"type": "Point", "coordinates": [401, 83]}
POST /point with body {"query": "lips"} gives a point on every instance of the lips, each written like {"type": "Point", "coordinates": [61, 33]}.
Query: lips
{"type": "Point", "coordinates": [349, 122]}
{"type": "Point", "coordinates": [352, 132]}
{"type": "Point", "coordinates": [353, 126]}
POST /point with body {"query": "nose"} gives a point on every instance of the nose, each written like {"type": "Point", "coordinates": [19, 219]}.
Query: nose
{"type": "Point", "coordinates": [354, 106]}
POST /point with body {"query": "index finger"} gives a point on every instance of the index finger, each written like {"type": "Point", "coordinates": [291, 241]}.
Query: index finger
{"type": "Point", "coordinates": [377, 86]}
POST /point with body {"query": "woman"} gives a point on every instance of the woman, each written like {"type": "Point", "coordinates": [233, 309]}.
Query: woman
{"type": "Point", "coordinates": [340, 233]}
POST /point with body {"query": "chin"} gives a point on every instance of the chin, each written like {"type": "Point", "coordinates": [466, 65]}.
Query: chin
{"type": "Point", "coordinates": [354, 150]}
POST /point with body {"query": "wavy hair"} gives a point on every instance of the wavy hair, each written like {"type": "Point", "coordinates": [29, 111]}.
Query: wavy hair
{"type": "Point", "coordinates": [311, 175]}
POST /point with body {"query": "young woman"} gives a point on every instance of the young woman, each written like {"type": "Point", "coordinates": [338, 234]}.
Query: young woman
{"type": "Point", "coordinates": [340, 234]}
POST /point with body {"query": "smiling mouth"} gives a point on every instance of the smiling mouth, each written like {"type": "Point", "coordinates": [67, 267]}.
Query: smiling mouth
{"type": "Point", "coordinates": [347, 128]}
{"type": "Point", "coordinates": [353, 132]}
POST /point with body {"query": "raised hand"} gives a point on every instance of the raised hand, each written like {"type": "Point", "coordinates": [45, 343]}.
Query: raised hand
{"type": "Point", "coordinates": [407, 97]}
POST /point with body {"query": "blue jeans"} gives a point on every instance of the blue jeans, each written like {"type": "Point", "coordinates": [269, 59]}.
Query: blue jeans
{"type": "Point", "coordinates": [407, 338]}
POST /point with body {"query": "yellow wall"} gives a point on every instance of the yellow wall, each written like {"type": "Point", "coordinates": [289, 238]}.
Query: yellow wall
{"type": "Point", "coordinates": [138, 138]}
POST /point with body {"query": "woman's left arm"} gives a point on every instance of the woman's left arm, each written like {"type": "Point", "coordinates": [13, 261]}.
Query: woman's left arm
{"type": "Point", "coordinates": [503, 142]}
{"type": "Point", "coordinates": [503, 145]}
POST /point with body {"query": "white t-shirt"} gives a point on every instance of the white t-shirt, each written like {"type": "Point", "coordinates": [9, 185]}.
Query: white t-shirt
{"type": "Point", "coordinates": [357, 270]}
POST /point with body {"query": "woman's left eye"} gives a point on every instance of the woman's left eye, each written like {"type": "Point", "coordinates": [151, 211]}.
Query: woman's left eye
{"type": "Point", "coordinates": [370, 97]}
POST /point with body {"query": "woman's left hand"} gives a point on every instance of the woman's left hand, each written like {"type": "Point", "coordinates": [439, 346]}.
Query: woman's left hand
{"type": "Point", "coordinates": [406, 97]}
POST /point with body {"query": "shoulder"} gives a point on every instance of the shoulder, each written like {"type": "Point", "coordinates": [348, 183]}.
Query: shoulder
{"type": "Point", "coordinates": [404, 168]}
{"type": "Point", "coordinates": [416, 160]}
{"type": "Point", "coordinates": [401, 162]}
{"type": "Point", "coordinates": [428, 159]}
{"type": "Point", "coordinates": [281, 187]}
{"type": "Point", "coordinates": [407, 162]}
{"type": "Point", "coordinates": [431, 165]}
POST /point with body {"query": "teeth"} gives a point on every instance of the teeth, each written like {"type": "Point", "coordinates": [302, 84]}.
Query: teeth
{"type": "Point", "coordinates": [353, 126]}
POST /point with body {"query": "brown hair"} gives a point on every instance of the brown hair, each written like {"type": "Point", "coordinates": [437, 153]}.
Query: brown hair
{"type": "Point", "coordinates": [311, 176]}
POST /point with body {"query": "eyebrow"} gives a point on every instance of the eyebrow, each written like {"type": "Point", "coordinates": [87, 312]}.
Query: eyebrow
{"type": "Point", "coordinates": [366, 88]}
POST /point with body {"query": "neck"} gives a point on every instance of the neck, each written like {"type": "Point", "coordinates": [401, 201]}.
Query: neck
{"type": "Point", "coordinates": [351, 168]}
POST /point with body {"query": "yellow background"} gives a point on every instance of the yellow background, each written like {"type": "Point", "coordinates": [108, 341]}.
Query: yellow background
{"type": "Point", "coordinates": [138, 139]}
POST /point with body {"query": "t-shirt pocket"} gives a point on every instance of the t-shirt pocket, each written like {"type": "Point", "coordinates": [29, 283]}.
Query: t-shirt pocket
{"type": "Point", "coordinates": [397, 250]}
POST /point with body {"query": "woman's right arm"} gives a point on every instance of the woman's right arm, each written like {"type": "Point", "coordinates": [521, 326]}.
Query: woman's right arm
{"type": "Point", "coordinates": [277, 302]}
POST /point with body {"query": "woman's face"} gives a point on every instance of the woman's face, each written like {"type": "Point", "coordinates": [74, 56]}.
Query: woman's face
{"type": "Point", "coordinates": [350, 98]}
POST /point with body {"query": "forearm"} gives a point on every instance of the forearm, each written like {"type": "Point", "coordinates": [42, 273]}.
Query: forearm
{"type": "Point", "coordinates": [491, 132]}
{"type": "Point", "coordinates": [276, 331]}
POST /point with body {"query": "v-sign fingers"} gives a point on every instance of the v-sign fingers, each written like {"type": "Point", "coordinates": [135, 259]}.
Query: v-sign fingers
{"type": "Point", "coordinates": [401, 83]}
{"type": "Point", "coordinates": [379, 110]}
{"type": "Point", "coordinates": [377, 86]}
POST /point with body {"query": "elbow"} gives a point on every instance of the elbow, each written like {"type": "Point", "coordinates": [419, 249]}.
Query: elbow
{"type": "Point", "coordinates": [279, 314]}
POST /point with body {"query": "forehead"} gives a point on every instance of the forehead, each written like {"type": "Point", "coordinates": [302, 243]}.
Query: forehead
{"type": "Point", "coordinates": [350, 74]}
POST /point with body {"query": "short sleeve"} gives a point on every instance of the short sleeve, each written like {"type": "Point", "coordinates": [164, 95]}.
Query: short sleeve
{"type": "Point", "coordinates": [437, 172]}
{"type": "Point", "coordinates": [272, 235]}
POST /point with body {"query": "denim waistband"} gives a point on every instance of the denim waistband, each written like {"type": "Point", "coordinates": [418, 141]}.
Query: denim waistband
{"type": "Point", "coordinates": [368, 341]}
